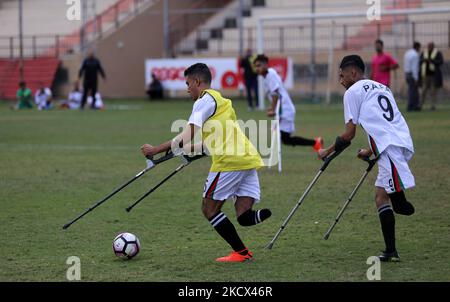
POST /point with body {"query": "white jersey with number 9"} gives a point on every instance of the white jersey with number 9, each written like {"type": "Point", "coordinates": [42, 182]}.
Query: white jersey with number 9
{"type": "Point", "coordinates": [372, 105]}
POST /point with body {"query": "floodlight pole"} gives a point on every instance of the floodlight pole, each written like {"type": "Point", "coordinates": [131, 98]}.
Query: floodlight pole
{"type": "Point", "coordinates": [21, 73]}
{"type": "Point", "coordinates": [261, 101]}
{"type": "Point", "coordinates": [312, 66]}
{"type": "Point", "coordinates": [83, 27]}
{"type": "Point", "coordinates": [166, 29]}
{"type": "Point", "coordinates": [241, 28]}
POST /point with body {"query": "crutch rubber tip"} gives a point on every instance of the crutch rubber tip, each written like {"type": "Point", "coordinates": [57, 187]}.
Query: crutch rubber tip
{"type": "Point", "coordinates": [128, 210]}
{"type": "Point", "coordinates": [269, 246]}
{"type": "Point", "coordinates": [326, 236]}
{"type": "Point", "coordinates": [65, 227]}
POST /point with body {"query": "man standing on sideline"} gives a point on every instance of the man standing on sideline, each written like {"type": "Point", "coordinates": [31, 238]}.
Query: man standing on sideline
{"type": "Point", "coordinates": [382, 64]}
{"type": "Point", "coordinates": [90, 68]}
{"type": "Point", "coordinates": [430, 73]}
{"type": "Point", "coordinates": [250, 78]}
{"type": "Point", "coordinates": [411, 67]}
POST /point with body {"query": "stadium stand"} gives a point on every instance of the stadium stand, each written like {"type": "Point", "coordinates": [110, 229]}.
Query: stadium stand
{"type": "Point", "coordinates": [47, 36]}
{"type": "Point", "coordinates": [132, 29]}
{"type": "Point", "coordinates": [36, 71]}
{"type": "Point", "coordinates": [294, 36]}
{"type": "Point", "coordinates": [43, 17]}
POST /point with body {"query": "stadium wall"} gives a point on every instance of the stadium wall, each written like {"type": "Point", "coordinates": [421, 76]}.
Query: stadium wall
{"type": "Point", "coordinates": [126, 77]}
{"type": "Point", "coordinates": [123, 52]}
{"type": "Point", "coordinates": [302, 78]}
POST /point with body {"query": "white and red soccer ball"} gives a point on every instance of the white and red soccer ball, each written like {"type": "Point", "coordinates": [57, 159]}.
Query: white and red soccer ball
{"type": "Point", "coordinates": [126, 245]}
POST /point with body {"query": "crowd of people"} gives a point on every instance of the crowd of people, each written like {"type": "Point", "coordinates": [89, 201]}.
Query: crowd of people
{"type": "Point", "coordinates": [422, 72]}
{"type": "Point", "coordinates": [42, 98]}
{"type": "Point", "coordinates": [77, 98]}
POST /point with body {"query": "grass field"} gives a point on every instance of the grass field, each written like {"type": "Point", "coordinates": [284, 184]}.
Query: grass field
{"type": "Point", "coordinates": [56, 164]}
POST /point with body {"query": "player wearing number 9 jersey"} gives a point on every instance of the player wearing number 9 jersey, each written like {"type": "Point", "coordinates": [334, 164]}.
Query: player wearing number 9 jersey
{"type": "Point", "coordinates": [372, 105]}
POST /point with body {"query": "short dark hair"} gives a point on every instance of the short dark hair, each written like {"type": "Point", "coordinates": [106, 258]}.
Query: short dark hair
{"type": "Point", "coordinates": [379, 41]}
{"type": "Point", "coordinates": [22, 83]}
{"type": "Point", "coordinates": [416, 45]}
{"type": "Point", "coordinates": [261, 58]}
{"type": "Point", "coordinates": [352, 60]}
{"type": "Point", "coordinates": [200, 70]}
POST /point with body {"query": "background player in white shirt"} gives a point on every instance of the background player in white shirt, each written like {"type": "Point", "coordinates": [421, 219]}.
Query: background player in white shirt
{"type": "Point", "coordinates": [275, 90]}
{"type": "Point", "coordinates": [98, 101]}
{"type": "Point", "coordinates": [75, 97]}
{"type": "Point", "coordinates": [372, 105]}
{"type": "Point", "coordinates": [43, 97]}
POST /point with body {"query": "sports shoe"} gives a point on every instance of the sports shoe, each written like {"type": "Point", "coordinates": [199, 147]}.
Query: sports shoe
{"type": "Point", "coordinates": [318, 144]}
{"type": "Point", "coordinates": [389, 257]}
{"type": "Point", "coordinates": [236, 257]}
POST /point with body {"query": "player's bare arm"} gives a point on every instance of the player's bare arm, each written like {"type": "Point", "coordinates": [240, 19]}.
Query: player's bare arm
{"type": "Point", "coordinates": [271, 110]}
{"type": "Point", "coordinates": [182, 139]}
{"type": "Point", "coordinates": [346, 137]}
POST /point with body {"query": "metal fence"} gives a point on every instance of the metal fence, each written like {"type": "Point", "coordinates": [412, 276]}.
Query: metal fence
{"type": "Point", "coordinates": [94, 29]}
{"type": "Point", "coordinates": [288, 39]}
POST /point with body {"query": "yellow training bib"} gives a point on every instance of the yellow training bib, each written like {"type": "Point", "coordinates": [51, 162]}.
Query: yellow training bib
{"type": "Point", "coordinates": [228, 146]}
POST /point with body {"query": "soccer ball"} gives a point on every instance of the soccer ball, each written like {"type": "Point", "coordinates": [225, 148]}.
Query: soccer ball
{"type": "Point", "coordinates": [126, 245]}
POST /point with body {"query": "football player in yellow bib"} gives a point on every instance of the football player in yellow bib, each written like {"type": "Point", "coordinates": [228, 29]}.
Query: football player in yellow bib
{"type": "Point", "coordinates": [234, 160]}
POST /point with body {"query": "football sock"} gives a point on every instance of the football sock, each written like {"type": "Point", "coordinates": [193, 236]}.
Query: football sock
{"type": "Point", "coordinates": [251, 217]}
{"type": "Point", "coordinates": [400, 204]}
{"type": "Point", "coordinates": [387, 220]}
{"type": "Point", "coordinates": [226, 229]}
{"type": "Point", "coordinates": [287, 139]}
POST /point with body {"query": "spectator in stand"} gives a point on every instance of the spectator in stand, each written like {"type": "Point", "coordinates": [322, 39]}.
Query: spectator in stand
{"type": "Point", "coordinates": [90, 69]}
{"type": "Point", "coordinates": [430, 73]}
{"type": "Point", "coordinates": [24, 99]}
{"type": "Point", "coordinates": [43, 97]}
{"type": "Point", "coordinates": [382, 64]}
{"type": "Point", "coordinates": [411, 67]}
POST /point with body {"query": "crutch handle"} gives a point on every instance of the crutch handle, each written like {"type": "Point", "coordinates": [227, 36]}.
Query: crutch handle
{"type": "Point", "coordinates": [167, 156]}
{"type": "Point", "coordinates": [193, 158]}
{"type": "Point", "coordinates": [327, 160]}
{"type": "Point", "coordinates": [370, 161]}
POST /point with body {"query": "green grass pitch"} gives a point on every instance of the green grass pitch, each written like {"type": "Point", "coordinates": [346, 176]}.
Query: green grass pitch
{"type": "Point", "coordinates": [56, 164]}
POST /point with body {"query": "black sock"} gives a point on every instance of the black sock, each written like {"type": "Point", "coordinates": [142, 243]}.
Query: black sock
{"type": "Point", "coordinates": [251, 217]}
{"type": "Point", "coordinates": [387, 220]}
{"type": "Point", "coordinates": [297, 140]}
{"type": "Point", "coordinates": [287, 139]}
{"type": "Point", "coordinates": [226, 229]}
{"type": "Point", "coordinates": [400, 204]}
